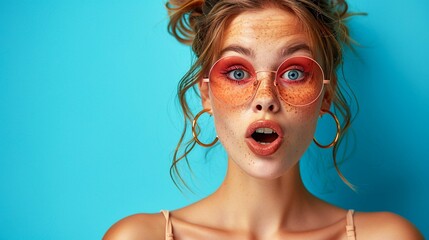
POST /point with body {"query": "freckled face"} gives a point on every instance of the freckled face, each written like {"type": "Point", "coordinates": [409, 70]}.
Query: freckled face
{"type": "Point", "coordinates": [265, 38]}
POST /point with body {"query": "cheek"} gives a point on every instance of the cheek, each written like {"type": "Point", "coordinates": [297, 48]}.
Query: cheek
{"type": "Point", "coordinates": [303, 121]}
{"type": "Point", "coordinates": [227, 121]}
{"type": "Point", "coordinates": [308, 116]}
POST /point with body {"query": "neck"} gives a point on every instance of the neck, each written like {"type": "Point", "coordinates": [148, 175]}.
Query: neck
{"type": "Point", "coordinates": [249, 203]}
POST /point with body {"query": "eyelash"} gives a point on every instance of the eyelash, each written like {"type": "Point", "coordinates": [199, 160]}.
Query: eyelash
{"type": "Point", "coordinates": [241, 67]}
{"type": "Point", "coordinates": [232, 68]}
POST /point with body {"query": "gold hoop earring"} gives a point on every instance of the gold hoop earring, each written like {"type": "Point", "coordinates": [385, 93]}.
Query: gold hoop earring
{"type": "Point", "coordinates": [337, 135]}
{"type": "Point", "coordinates": [194, 133]}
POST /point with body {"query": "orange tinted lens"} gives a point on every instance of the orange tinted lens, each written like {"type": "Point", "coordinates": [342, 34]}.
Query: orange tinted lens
{"type": "Point", "coordinates": [299, 80]}
{"type": "Point", "coordinates": [232, 80]}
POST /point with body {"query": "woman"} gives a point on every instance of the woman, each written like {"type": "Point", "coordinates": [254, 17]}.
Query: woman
{"type": "Point", "coordinates": [266, 70]}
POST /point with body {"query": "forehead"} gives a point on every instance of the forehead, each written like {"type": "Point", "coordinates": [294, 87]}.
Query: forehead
{"type": "Point", "coordinates": [265, 31]}
{"type": "Point", "coordinates": [270, 22]}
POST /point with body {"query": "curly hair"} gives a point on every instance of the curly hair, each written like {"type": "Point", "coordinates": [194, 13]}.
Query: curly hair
{"type": "Point", "coordinates": [201, 24]}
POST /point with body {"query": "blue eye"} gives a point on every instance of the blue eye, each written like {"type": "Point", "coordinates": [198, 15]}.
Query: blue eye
{"type": "Point", "coordinates": [238, 74]}
{"type": "Point", "coordinates": [293, 75]}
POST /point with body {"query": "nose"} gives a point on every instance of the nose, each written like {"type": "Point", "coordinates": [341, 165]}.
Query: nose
{"type": "Point", "coordinates": [266, 98]}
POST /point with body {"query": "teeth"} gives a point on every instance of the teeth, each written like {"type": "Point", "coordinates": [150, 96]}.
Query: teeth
{"type": "Point", "coordinates": [264, 143]}
{"type": "Point", "coordinates": [265, 130]}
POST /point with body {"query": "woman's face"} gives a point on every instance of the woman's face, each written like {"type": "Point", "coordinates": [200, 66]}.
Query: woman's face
{"type": "Point", "coordinates": [265, 38]}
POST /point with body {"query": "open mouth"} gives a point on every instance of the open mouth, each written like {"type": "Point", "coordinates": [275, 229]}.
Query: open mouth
{"type": "Point", "coordinates": [264, 136]}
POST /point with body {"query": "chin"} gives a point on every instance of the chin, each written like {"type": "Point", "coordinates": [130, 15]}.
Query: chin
{"type": "Point", "coordinates": [268, 169]}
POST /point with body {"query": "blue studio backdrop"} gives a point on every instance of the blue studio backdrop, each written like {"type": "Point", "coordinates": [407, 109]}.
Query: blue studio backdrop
{"type": "Point", "coordinates": [89, 118]}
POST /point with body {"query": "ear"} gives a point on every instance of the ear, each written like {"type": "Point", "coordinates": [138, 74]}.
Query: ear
{"type": "Point", "coordinates": [204, 92]}
{"type": "Point", "coordinates": [327, 99]}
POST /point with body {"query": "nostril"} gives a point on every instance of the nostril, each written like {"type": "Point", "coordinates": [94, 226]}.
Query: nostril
{"type": "Point", "coordinates": [271, 108]}
{"type": "Point", "coordinates": [259, 107]}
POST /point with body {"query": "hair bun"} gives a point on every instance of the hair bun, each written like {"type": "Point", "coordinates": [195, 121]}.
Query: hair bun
{"type": "Point", "coordinates": [183, 15]}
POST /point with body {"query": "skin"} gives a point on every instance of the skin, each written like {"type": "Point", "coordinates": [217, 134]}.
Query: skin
{"type": "Point", "coordinates": [263, 197]}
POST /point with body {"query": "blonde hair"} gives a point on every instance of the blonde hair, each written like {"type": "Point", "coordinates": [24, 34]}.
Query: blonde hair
{"type": "Point", "coordinates": [201, 24]}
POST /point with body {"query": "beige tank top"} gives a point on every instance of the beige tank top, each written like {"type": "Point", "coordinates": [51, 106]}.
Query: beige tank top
{"type": "Point", "coordinates": [350, 227]}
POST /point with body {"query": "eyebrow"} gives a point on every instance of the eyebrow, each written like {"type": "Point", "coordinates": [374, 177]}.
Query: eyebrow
{"type": "Point", "coordinates": [239, 49]}
{"type": "Point", "coordinates": [295, 48]}
{"type": "Point", "coordinates": [249, 52]}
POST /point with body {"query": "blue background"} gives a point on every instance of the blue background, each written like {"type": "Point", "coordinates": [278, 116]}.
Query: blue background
{"type": "Point", "coordinates": [89, 120]}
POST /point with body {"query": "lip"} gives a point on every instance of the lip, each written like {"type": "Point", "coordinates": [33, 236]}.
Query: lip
{"type": "Point", "coordinates": [260, 149]}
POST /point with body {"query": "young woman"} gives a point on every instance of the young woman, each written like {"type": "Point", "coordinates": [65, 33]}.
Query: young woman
{"type": "Point", "coordinates": [266, 70]}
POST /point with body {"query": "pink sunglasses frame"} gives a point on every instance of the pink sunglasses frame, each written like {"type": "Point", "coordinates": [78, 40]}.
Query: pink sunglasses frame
{"type": "Point", "coordinates": [325, 81]}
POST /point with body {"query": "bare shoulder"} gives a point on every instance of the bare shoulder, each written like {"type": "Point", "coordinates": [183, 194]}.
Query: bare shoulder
{"type": "Point", "coordinates": [384, 225]}
{"type": "Point", "coordinates": [138, 227]}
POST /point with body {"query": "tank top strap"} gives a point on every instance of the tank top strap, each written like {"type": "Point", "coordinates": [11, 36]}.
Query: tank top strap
{"type": "Point", "coordinates": [350, 227]}
{"type": "Point", "coordinates": [168, 226]}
